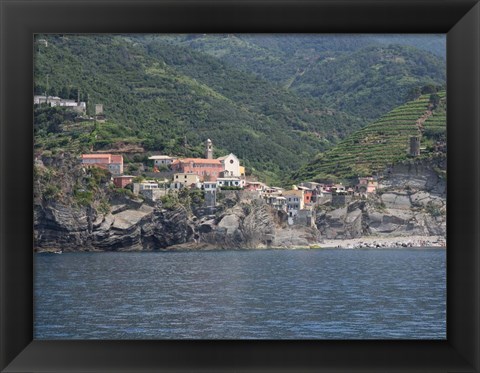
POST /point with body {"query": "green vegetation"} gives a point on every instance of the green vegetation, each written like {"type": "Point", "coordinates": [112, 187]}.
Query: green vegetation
{"type": "Point", "coordinates": [185, 197]}
{"type": "Point", "coordinates": [90, 189]}
{"type": "Point", "coordinates": [167, 98]}
{"type": "Point", "coordinates": [273, 100]}
{"type": "Point", "coordinates": [363, 75]}
{"type": "Point", "coordinates": [383, 143]}
{"type": "Point", "coordinates": [371, 81]}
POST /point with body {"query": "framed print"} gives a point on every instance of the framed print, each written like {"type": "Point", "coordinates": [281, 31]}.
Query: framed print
{"type": "Point", "coordinates": [31, 342]}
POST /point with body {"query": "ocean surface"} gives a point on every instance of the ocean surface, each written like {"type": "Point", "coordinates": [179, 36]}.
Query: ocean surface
{"type": "Point", "coordinates": [261, 294]}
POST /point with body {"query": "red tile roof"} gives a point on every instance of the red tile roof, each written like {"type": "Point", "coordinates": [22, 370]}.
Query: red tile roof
{"type": "Point", "coordinates": [117, 159]}
{"type": "Point", "coordinates": [198, 160]}
{"type": "Point", "coordinates": [90, 156]}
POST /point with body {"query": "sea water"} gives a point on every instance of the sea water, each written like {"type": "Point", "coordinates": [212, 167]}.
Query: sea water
{"type": "Point", "coordinates": [245, 294]}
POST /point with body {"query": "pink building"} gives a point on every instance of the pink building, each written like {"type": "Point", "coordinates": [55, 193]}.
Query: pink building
{"type": "Point", "coordinates": [206, 169]}
{"type": "Point", "coordinates": [113, 163]}
{"type": "Point", "coordinates": [255, 186]}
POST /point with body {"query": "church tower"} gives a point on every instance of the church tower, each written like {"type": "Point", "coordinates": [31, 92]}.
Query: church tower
{"type": "Point", "coordinates": [208, 149]}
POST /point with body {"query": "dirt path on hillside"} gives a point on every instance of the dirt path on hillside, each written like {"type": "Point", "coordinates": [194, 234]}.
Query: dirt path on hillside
{"type": "Point", "coordinates": [420, 121]}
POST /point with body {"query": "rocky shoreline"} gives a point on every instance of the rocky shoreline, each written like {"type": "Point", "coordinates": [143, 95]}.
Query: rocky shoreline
{"type": "Point", "coordinates": [358, 243]}
{"type": "Point", "coordinates": [387, 242]}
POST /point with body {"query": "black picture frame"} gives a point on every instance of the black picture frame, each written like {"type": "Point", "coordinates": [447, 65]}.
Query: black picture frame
{"type": "Point", "coordinates": [459, 19]}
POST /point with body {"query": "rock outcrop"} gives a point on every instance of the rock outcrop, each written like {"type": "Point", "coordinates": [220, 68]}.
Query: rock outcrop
{"type": "Point", "coordinates": [411, 201]}
{"type": "Point", "coordinates": [241, 222]}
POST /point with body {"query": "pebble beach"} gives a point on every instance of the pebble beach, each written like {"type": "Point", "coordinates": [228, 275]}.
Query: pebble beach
{"type": "Point", "coordinates": [386, 242]}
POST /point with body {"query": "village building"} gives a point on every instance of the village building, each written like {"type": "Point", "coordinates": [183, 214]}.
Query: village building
{"type": "Point", "coordinates": [99, 114]}
{"type": "Point", "coordinates": [295, 201]}
{"type": "Point", "coordinates": [116, 164]}
{"type": "Point", "coordinates": [273, 190]}
{"type": "Point", "coordinates": [111, 162]}
{"type": "Point", "coordinates": [255, 186]}
{"type": "Point", "coordinates": [150, 189]}
{"type": "Point", "coordinates": [338, 188]}
{"type": "Point", "coordinates": [208, 149]}
{"type": "Point", "coordinates": [162, 160]}
{"type": "Point", "coordinates": [367, 185]}
{"type": "Point", "coordinates": [210, 193]}
{"type": "Point", "coordinates": [414, 150]}
{"type": "Point", "coordinates": [231, 165]}
{"type": "Point", "coordinates": [230, 182]}
{"type": "Point", "coordinates": [277, 202]}
{"type": "Point", "coordinates": [77, 106]}
{"type": "Point", "coordinates": [144, 185]}
{"type": "Point", "coordinates": [311, 185]}
{"type": "Point", "coordinates": [307, 194]}
{"type": "Point", "coordinates": [185, 180]}
{"type": "Point", "coordinates": [209, 186]}
{"type": "Point", "coordinates": [205, 169]}
{"type": "Point", "coordinates": [122, 181]}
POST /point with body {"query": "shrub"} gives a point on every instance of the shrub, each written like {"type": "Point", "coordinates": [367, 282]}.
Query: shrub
{"type": "Point", "coordinates": [83, 198]}
{"type": "Point", "coordinates": [169, 201]}
{"type": "Point", "coordinates": [434, 210]}
{"type": "Point", "coordinates": [51, 192]}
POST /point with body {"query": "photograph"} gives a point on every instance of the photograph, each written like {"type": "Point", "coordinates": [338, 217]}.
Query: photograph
{"type": "Point", "coordinates": [239, 186]}
{"type": "Point", "coordinates": [244, 186]}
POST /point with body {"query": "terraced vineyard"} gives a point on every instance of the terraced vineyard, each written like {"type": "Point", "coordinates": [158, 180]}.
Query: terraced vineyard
{"type": "Point", "coordinates": [384, 142]}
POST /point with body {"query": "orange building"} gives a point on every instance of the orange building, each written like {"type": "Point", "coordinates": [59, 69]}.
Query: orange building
{"type": "Point", "coordinates": [307, 196]}
{"type": "Point", "coordinates": [206, 169]}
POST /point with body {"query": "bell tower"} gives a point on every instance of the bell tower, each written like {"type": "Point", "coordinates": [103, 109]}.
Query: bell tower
{"type": "Point", "coordinates": [208, 149]}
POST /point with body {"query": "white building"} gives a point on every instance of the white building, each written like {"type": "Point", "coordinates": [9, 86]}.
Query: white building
{"type": "Point", "coordinates": [294, 199]}
{"type": "Point", "coordinates": [231, 165]}
{"type": "Point", "coordinates": [146, 185]}
{"type": "Point", "coordinates": [230, 182]}
{"type": "Point", "coordinates": [210, 186]}
{"type": "Point", "coordinates": [278, 202]}
{"type": "Point", "coordinates": [80, 107]}
{"type": "Point", "coordinates": [162, 160]}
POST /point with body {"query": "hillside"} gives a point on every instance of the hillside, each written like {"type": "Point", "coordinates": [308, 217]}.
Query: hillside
{"type": "Point", "coordinates": [371, 81]}
{"type": "Point", "coordinates": [273, 57]}
{"type": "Point", "coordinates": [363, 75]}
{"type": "Point", "coordinates": [384, 142]}
{"type": "Point", "coordinates": [168, 98]}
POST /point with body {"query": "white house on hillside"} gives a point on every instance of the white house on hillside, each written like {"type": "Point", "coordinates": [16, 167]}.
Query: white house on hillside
{"type": "Point", "coordinates": [162, 160]}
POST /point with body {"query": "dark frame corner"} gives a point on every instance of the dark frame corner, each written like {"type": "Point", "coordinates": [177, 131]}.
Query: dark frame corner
{"type": "Point", "coordinates": [460, 19]}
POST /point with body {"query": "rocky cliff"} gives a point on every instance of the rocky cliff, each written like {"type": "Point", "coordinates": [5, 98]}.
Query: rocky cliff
{"type": "Point", "coordinates": [411, 200]}
{"type": "Point", "coordinates": [241, 222]}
